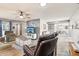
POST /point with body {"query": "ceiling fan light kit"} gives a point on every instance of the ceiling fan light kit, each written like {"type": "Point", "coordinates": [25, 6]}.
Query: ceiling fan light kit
{"type": "Point", "coordinates": [43, 4]}
{"type": "Point", "coordinates": [23, 15]}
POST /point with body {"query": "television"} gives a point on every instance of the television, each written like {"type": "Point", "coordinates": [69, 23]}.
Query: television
{"type": "Point", "coordinates": [30, 29]}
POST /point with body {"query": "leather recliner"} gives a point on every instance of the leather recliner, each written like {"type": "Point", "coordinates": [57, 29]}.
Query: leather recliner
{"type": "Point", "coordinates": [46, 46]}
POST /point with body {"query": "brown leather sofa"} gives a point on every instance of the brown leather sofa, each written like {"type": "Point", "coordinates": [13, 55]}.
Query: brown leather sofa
{"type": "Point", "coordinates": [2, 39]}
{"type": "Point", "coordinates": [10, 36]}
{"type": "Point", "coordinates": [46, 46]}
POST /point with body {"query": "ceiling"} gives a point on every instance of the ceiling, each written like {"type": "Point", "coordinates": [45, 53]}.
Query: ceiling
{"type": "Point", "coordinates": [51, 10]}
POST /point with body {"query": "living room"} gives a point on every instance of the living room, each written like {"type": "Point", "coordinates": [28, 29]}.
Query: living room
{"type": "Point", "coordinates": [23, 25]}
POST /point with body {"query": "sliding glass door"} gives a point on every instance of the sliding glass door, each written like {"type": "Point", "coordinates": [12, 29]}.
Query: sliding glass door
{"type": "Point", "coordinates": [5, 27]}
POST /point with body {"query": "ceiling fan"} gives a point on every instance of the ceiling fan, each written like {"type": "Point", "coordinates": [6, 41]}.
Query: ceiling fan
{"type": "Point", "coordinates": [23, 15]}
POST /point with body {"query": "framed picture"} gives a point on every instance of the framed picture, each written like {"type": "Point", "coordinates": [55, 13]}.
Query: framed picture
{"type": "Point", "coordinates": [75, 26]}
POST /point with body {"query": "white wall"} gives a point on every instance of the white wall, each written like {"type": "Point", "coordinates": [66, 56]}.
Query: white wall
{"type": "Point", "coordinates": [24, 29]}
{"type": "Point", "coordinates": [75, 32]}
{"type": "Point", "coordinates": [74, 19]}
{"type": "Point", "coordinates": [44, 21]}
{"type": "Point", "coordinates": [59, 14]}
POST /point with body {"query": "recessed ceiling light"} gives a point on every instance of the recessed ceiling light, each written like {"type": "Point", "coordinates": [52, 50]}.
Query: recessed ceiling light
{"type": "Point", "coordinates": [43, 4]}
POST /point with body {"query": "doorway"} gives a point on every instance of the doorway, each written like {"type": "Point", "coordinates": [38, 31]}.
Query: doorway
{"type": "Point", "coordinates": [20, 29]}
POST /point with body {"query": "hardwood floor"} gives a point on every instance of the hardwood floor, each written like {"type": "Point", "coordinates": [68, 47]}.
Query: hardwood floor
{"type": "Point", "coordinates": [11, 51]}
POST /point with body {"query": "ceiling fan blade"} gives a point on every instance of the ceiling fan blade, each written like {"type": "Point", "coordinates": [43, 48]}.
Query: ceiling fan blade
{"type": "Point", "coordinates": [22, 13]}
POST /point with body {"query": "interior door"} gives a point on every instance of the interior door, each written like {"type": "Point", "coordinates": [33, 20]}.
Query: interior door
{"type": "Point", "coordinates": [20, 29]}
{"type": "Point", "coordinates": [17, 29]}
